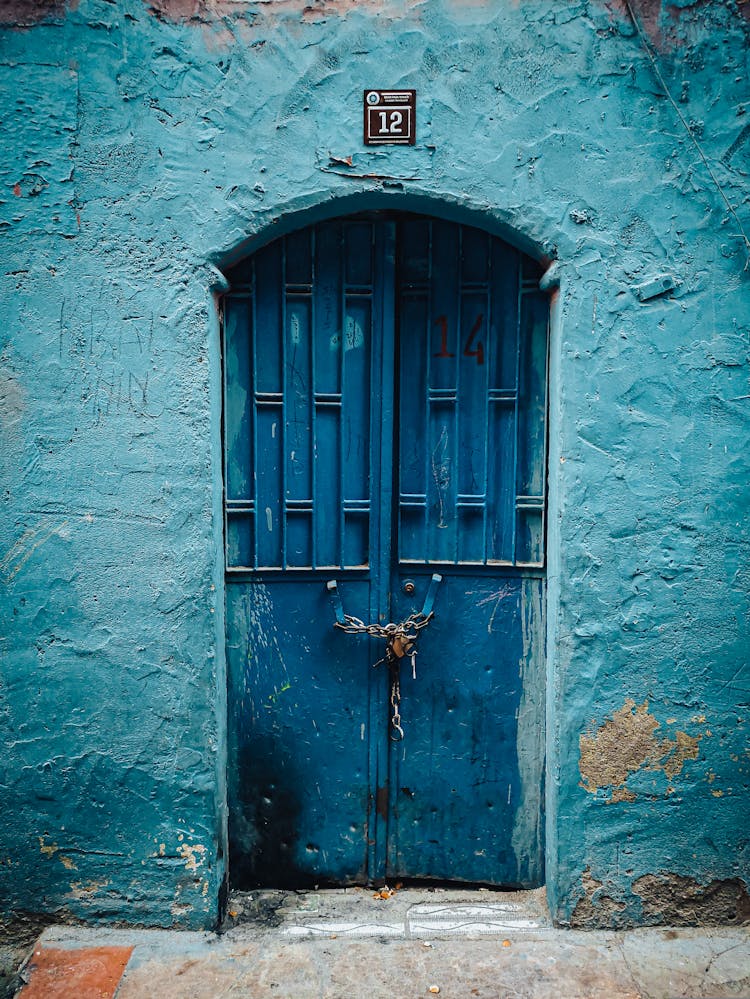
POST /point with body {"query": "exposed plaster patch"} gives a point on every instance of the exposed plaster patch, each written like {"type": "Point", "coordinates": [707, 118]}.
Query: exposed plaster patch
{"type": "Point", "coordinates": [192, 855]}
{"type": "Point", "coordinates": [679, 901]}
{"type": "Point", "coordinates": [685, 747]}
{"type": "Point", "coordinates": [596, 908]}
{"type": "Point", "coordinates": [50, 849]}
{"type": "Point", "coordinates": [47, 849]}
{"type": "Point", "coordinates": [665, 899]}
{"type": "Point", "coordinates": [86, 889]}
{"type": "Point", "coordinates": [626, 743]}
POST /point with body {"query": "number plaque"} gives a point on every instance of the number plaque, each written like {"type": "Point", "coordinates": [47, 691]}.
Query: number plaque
{"type": "Point", "coordinates": [390, 117]}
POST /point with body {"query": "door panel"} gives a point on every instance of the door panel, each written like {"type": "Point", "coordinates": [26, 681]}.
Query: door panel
{"type": "Point", "coordinates": [302, 392]}
{"type": "Point", "coordinates": [462, 783]}
{"type": "Point", "coordinates": [320, 424]}
{"type": "Point", "coordinates": [298, 732]}
{"type": "Point", "coordinates": [471, 423]}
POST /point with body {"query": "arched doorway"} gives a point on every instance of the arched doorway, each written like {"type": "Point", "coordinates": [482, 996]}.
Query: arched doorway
{"type": "Point", "coordinates": [385, 422]}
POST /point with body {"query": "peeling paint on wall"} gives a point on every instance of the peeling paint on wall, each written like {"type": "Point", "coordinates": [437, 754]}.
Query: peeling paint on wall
{"type": "Point", "coordinates": [86, 891]}
{"type": "Point", "coordinates": [663, 899]}
{"type": "Point", "coordinates": [193, 855]}
{"type": "Point", "coordinates": [676, 900]}
{"type": "Point", "coordinates": [597, 907]}
{"type": "Point", "coordinates": [47, 849]}
{"type": "Point", "coordinates": [626, 743]}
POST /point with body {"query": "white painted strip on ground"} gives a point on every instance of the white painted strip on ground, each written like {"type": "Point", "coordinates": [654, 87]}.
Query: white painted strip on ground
{"type": "Point", "coordinates": [469, 927]}
{"type": "Point", "coordinates": [489, 910]}
{"type": "Point", "coordinates": [345, 930]}
{"type": "Point", "coordinates": [445, 921]}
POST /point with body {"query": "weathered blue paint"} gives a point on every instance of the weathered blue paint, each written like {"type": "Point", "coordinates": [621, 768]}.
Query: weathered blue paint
{"type": "Point", "coordinates": [143, 146]}
{"type": "Point", "coordinates": [362, 354]}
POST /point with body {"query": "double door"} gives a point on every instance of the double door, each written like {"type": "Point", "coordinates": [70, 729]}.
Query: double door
{"type": "Point", "coordinates": [384, 422]}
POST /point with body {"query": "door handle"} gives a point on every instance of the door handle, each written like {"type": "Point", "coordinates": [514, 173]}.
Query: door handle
{"type": "Point", "coordinates": [338, 607]}
{"type": "Point", "coordinates": [429, 599]}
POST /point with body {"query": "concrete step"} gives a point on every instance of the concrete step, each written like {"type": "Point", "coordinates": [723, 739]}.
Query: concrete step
{"type": "Point", "coordinates": [405, 944]}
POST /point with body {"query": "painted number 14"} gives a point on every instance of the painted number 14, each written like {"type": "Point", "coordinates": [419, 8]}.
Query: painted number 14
{"type": "Point", "coordinates": [470, 349]}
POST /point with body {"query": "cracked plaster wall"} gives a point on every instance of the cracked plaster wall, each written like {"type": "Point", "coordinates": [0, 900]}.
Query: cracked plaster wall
{"type": "Point", "coordinates": [142, 145]}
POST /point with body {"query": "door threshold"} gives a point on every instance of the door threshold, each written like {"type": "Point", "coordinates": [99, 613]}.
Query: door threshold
{"type": "Point", "coordinates": [420, 913]}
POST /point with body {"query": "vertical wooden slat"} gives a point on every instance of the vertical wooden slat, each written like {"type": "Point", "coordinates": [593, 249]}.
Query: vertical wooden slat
{"type": "Point", "coordinates": [504, 278]}
{"type": "Point", "coordinates": [269, 404]}
{"type": "Point", "coordinates": [356, 401]}
{"type": "Point", "coordinates": [441, 442]}
{"type": "Point", "coordinates": [531, 430]}
{"type": "Point", "coordinates": [327, 498]}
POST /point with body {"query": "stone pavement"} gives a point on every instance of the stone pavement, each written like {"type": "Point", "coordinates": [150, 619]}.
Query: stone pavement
{"type": "Point", "coordinates": [347, 944]}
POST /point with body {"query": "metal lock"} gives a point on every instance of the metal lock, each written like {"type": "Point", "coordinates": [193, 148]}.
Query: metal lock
{"type": "Point", "coordinates": [399, 647]}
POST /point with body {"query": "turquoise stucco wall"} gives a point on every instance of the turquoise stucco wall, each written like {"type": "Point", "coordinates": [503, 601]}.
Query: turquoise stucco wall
{"type": "Point", "coordinates": [145, 144]}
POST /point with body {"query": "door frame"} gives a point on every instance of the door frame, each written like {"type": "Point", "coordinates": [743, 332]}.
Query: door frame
{"type": "Point", "coordinates": [280, 223]}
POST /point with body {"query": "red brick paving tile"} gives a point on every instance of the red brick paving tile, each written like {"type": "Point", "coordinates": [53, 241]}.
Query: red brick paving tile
{"type": "Point", "coordinates": [86, 973]}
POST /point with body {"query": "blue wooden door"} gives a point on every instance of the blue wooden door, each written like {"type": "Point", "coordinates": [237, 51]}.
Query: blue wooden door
{"type": "Point", "coordinates": [384, 420]}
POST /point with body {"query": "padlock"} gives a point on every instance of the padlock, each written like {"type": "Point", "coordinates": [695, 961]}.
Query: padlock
{"type": "Point", "coordinates": [399, 646]}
